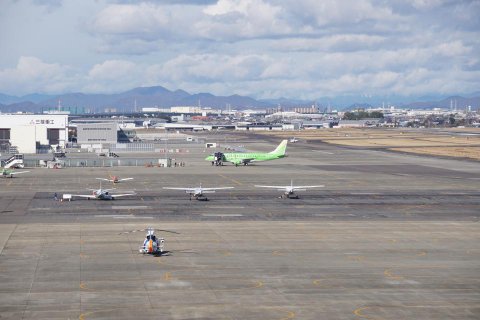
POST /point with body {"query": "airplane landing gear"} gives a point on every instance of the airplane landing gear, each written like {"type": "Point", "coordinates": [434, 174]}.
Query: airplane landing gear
{"type": "Point", "coordinates": [219, 157]}
{"type": "Point", "coordinates": [289, 196]}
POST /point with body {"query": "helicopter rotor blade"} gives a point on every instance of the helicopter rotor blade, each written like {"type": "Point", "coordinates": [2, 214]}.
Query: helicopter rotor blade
{"type": "Point", "coordinates": [140, 230]}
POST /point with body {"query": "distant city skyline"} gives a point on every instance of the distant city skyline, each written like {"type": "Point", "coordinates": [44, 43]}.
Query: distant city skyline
{"type": "Point", "coordinates": [265, 49]}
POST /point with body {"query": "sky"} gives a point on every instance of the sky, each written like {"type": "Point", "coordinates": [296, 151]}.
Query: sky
{"type": "Point", "coordinates": [302, 49]}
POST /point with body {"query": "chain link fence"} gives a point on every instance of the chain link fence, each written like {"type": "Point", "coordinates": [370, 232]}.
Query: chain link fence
{"type": "Point", "coordinates": [78, 162]}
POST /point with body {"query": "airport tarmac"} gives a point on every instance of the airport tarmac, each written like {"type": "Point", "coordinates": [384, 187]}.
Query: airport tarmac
{"type": "Point", "coordinates": [390, 236]}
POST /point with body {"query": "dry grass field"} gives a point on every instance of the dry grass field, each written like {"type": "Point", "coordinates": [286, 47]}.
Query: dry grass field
{"type": "Point", "coordinates": [461, 143]}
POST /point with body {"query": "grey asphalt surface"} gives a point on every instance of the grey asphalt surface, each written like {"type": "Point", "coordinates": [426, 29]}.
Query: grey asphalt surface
{"type": "Point", "coordinates": [390, 236]}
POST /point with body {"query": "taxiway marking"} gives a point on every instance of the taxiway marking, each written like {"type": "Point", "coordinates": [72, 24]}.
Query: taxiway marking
{"type": "Point", "coordinates": [358, 313]}
{"type": "Point", "coordinates": [222, 214]}
{"type": "Point", "coordinates": [129, 207]}
{"type": "Point", "coordinates": [83, 315]}
{"type": "Point", "coordinates": [231, 179]}
{"type": "Point", "coordinates": [365, 193]}
{"type": "Point", "coordinates": [121, 216]}
{"type": "Point", "coordinates": [317, 282]}
{"type": "Point", "coordinates": [226, 207]}
{"type": "Point", "coordinates": [225, 252]}
{"type": "Point", "coordinates": [387, 273]}
{"type": "Point", "coordinates": [167, 276]}
{"type": "Point", "coordinates": [83, 286]}
{"type": "Point", "coordinates": [290, 315]}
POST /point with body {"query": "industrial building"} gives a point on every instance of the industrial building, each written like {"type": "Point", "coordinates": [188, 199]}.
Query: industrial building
{"type": "Point", "coordinates": [97, 133]}
{"type": "Point", "coordinates": [29, 133]}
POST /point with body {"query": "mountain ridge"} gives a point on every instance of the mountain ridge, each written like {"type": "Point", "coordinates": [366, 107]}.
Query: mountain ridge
{"type": "Point", "coordinates": [158, 96]}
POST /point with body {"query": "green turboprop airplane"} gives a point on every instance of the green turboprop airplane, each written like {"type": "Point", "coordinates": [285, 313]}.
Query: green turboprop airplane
{"type": "Point", "coordinates": [245, 158]}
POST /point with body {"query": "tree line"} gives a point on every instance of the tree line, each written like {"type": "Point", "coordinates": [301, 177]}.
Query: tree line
{"type": "Point", "coordinates": [359, 115]}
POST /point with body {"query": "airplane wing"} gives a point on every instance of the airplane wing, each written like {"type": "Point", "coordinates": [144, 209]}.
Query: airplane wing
{"type": "Point", "coordinates": [103, 179]}
{"type": "Point", "coordinates": [123, 195]}
{"type": "Point", "coordinates": [273, 187]}
{"type": "Point", "coordinates": [294, 187]}
{"type": "Point", "coordinates": [183, 189]}
{"type": "Point", "coordinates": [307, 187]}
{"type": "Point", "coordinates": [125, 179]}
{"type": "Point", "coordinates": [212, 190]}
{"type": "Point", "coordinates": [203, 190]}
{"type": "Point", "coordinates": [88, 196]}
{"type": "Point", "coordinates": [17, 172]}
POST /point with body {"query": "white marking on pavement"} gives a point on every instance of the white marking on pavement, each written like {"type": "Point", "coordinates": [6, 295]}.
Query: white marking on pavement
{"type": "Point", "coordinates": [334, 215]}
{"type": "Point", "coordinates": [225, 207]}
{"type": "Point", "coordinates": [365, 193]}
{"type": "Point", "coordinates": [222, 215]}
{"type": "Point", "coordinates": [121, 216]}
{"type": "Point", "coordinates": [129, 207]}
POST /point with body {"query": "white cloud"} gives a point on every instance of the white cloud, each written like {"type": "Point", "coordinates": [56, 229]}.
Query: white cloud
{"type": "Point", "coordinates": [111, 70]}
{"type": "Point", "coordinates": [113, 76]}
{"type": "Point", "coordinates": [336, 43]}
{"type": "Point", "coordinates": [321, 13]}
{"type": "Point", "coordinates": [426, 4]}
{"type": "Point", "coordinates": [211, 68]}
{"type": "Point", "coordinates": [264, 48]}
{"type": "Point", "coordinates": [144, 19]}
{"type": "Point", "coordinates": [241, 19]}
{"type": "Point", "coordinates": [33, 75]}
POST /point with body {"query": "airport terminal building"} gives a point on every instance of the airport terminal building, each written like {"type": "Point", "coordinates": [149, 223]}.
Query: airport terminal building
{"type": "Point", "coordinates": [27, 133]}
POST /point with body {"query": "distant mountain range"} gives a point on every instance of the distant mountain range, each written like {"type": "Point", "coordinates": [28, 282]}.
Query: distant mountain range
{"type": "Point", "coordinates": [163, 98]}
{"type": "Point", "coordinates": [142, 97]}
{"type": "Point", "coordinates": [454, 101]}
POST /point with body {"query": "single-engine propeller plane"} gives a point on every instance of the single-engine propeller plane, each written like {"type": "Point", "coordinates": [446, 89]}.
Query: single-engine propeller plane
{"type": "Point", "coordinates": [289, 191]}
{"type": "Point", "coordinates": [114, 179]}
{"type": "Point", "coordinates": [102, 194]}
{"type": "Point", "coordinates": [198, 192]}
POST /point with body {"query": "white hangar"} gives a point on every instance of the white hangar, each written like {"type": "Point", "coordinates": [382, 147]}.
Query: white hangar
{"type": "Point", "coordinates": [29, 132]}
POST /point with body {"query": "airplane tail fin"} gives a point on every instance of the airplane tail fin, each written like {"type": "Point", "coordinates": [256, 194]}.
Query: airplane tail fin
{"type": "Point", "coordinates": [282, 147]}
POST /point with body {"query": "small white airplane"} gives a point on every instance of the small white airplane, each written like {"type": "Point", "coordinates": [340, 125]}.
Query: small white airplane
{"type": "Point", "coordinates": [197, 192]}
{"type": "Point", "coordinates": [289, 191]}
{"type": "Point", "coordinates": [114, 179]}
{"type": "Point", "coordinates": [102, 194]}
{"type": "Point", "coordinates": [293, 140]}
{"type": "Point", "coordinates": [11, 173]}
